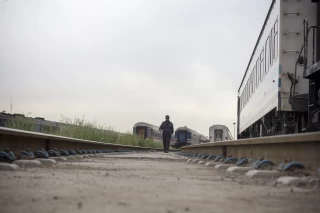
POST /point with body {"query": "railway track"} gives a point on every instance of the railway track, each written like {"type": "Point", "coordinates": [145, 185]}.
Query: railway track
{"type": "Point", "coordinates": [303, 148]}
{"type": "Point", "coordinates": [19, 144]}
{"type": "Point", "coordinates": [121, 178]}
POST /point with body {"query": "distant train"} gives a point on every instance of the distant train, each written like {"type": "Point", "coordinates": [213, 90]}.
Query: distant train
{"type": "Point", "coordinates": [184, 136]}
{"type": "Point", "coordinates": [37, 124]}
{"type": "Point", "coordinates": [147, 131]}
{"type": "Point", "coordinates": [34, 124]}
{"type": "Point", "coordinates": [280, 89]}
{"type": "Point", "coordinates": [219, 133]}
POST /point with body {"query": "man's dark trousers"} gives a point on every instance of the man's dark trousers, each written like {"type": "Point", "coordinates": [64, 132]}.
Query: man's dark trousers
{"type": "Point", "coordinates": [166, 142]}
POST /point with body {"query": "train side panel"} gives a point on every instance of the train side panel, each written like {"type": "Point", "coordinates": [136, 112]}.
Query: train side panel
{"type": "Point", "coordinates": [259, 90]}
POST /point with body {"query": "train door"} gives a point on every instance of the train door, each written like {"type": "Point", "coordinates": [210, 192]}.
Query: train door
{"type": "Point", "coordinates": [182, 137]}
{"type": "Point", "coordinates": [218, 135]}
{"type": "Point", "coordinates": [142, 132]}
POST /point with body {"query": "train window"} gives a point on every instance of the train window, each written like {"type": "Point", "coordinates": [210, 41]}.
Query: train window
{"type": "Point", "coordinates": [258, 71]}
{"type": "Point", "coordinates": [256, 77]}
{"type": "Point", "coordinates": [247, 98]}
{"type": "Point", "coordinates": [267, 53]}
{"type": "Point", "coordinates": [248, 90]}
{"type": "Point", "coordinates": [261, 65]}
{"type": "Point", "coordinates": [250, 87]}
{"type": "Point", "coordinates": [243, 98]}
{"type": "Point", "coordinates": [242, 102]}
{"type": "Point", "coordinates": [254, 80]}
{"type": "Point", "coordinates": [271, 48]}
{"type": "Point", "coordinates": [275, 40]}
{"type": "Point", "coordinates": [252, 91]}
{"type": "Point", "coordinates": [248, 95]}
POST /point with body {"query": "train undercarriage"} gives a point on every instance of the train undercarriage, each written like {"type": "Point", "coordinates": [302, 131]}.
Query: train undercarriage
{"type": "Point", "coordinates": [277, 123]}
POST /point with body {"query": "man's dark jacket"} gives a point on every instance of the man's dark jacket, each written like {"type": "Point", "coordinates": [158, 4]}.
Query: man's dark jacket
{"type": "Point", "coordinates": [167, 128]}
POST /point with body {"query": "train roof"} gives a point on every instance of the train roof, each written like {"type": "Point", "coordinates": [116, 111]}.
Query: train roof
{"type": "Point", "coordinates": [256, 45]}
{"type": "Point", "coordinates": [185, 128]}
{"type": "Point", "coordinates": [36, 120]}
{"type": "Point", "coordinates": [217, 125]}
{"type": "Point", "coordinates": [146, 124]}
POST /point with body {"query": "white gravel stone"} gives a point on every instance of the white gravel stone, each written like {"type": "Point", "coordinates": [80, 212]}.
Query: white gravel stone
{"type": "Point", "coordinates": [60, 159]}
{"type": "Point", "coordinates": [201, 162]}
{"type": "Point", "coordinates": [262, 173]}
{"type": "Point", "coordinates": [90, 155]}
{"type": "Point", "coordinates": [195, 161]}
{"type": "Point", "coordinates": [223, 166]}
{"type": "Point", "coordinates": [287, 180]}
{"type": "Point", "coordinates": [47, 162]}
{"type": "Point", "coordinates": [8, 167]}
{"type": "Point", "coordinates": [70, 157]}
{"type": "Point", "coordinates": [78, 156]}
{"type": "Point", "coordinates": [211, 164]}
{"type": "Point", "coordinates": [237, 169]}
{"type": "Point", "coordinates": [27, 163]}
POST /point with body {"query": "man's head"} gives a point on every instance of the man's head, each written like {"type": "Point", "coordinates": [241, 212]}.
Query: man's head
{"type": "Point", "coordinates": [167, 117]}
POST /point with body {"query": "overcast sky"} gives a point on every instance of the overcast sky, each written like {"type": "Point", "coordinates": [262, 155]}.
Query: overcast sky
{"type": "Point", "coordinates": [118, 62]}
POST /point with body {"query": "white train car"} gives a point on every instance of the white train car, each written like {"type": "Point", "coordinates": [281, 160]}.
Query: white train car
{"type": "Point", "coordinates": [219, 133]}
{"type": "Point", "coordinates": [273, 94]}
{"type": "Point", "coordinates": [147, 131]}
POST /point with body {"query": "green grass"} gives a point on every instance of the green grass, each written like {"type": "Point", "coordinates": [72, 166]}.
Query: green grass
{"type": "Point", "coordinates": [22, 123]}
{"type": "Point", "coordinates": [82, 129]}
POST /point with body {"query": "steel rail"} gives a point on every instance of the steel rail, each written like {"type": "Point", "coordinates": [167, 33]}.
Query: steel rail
{"type": "Point", "coordinates": [17, 140]}
{"type": "Point", "coordinates": [302, 147]}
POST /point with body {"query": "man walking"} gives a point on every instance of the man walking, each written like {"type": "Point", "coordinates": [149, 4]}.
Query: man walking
{"type": "Point", "coordinates": [167, 130]}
